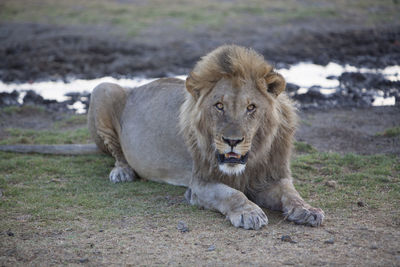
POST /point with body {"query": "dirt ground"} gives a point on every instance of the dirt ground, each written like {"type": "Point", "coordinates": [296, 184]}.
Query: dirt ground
{"type": "Point", "coordinates": [353, 239]}
{"type": "Point", "coordinates": [362, 237]}
{"type": "Point", "coordinates": [32, 51]}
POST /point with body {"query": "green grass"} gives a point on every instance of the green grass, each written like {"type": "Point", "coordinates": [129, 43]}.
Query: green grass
{"type": "Point", "coordinates": [72, 120]}
{"type": "Point", "coordinates": [303, 147]}
{"type": "Point", "coordinates": [27, 136]}
{"type": "Point", "coordinates": [130, 17]}
{"type": "Point", "coordinates": [61, 190]}
{"type": "Point", "coordinates": [26, 109]}
{"type": "Point", "coordinates": [390, 132]}
{"type": "Point", "coordinates": [71, 129]}
{"type": "Point", "coordinates": [373, 179]}
{"type": "Point", "coordinates": [58, 190]}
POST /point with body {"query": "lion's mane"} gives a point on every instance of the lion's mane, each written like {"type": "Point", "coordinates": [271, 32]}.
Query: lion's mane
{"type": "Point", "coordinates": [273, 139]}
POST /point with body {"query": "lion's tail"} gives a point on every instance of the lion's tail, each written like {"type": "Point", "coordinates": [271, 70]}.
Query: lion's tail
{"type": "Point", "coordinates": [71, 149]}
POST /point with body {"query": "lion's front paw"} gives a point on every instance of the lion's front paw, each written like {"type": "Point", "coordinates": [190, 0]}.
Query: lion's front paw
{"type": "Point", "coordinates": [250, 216]}
{"type": "Point", "coordinates": [122, 174]}
{"type": "Point", "coordinates": [306, 215]}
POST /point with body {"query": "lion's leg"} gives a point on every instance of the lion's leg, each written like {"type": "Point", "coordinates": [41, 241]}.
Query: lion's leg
{"type": "Point", "coordinates": [282, 195]}
{"type": "Point", "coordinates": [106, 106]}
{"type": "Point", "coordinates": [229, 201]}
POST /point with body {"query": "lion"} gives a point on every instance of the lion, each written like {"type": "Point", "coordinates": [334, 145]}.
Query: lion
{"type": "Point", "coordinates": [226, 134]}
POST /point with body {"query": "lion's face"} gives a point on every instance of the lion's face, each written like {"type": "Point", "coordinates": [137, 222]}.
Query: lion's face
{"type": "Point", "coordinates": [234, 113]}
{"type": "Point", "coordinates": [229, 114]}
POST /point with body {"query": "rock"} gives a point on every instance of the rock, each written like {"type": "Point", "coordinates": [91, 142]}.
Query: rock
{"type": "Point", "coordinates": [291, 87]}
{"type": "Point", "coordinates": [182, 227]}
{"type": "Point", "coordinates": [288, 238]}
{"type": "Point", "coordinates": [211, 248]}
{"type": "Point", "coordinates": [361, 203]}
{"type": "Point", "coordinates": [9, 99]}
{"type": "Point", "coordinates": [83, 260]}
{"type": "Point", "coordinates": [330, 241]}
{"type": "Point", "coordinates": [331, 183]}
{"type": "Point", "coordinates": [313, 94]}
{"type": "Point", "coordinates": [374, 246]}
{"type": "Point", "coordinates": [32, 97]}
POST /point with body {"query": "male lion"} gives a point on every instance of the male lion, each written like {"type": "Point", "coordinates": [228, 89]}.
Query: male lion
{"type": "Point", "coordinates": [228, 136]}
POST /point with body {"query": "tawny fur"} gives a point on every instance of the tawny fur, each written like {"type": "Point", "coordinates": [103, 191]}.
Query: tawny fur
{"type": "Point", "coordinates": [273, 139]}
{"type": "Point", "coordinates": [139, 128]}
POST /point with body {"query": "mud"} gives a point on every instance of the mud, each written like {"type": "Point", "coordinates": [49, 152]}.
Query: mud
{"type": "Point", "coordinates": [33, 52]}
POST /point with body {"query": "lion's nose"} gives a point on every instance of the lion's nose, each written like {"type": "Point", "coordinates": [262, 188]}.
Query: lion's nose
{"type": "Point", "coordinates": [232, 142]}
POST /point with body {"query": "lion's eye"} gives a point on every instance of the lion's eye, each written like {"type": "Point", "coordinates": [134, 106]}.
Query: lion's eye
{"type": "Point", "coordinates": [251, 107]}
{"type": "Point", "coordinates": [219, 106]}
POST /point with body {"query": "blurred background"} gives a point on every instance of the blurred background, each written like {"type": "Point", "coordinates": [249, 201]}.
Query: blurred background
{"type": "Point", "coordinates": [52, 39]}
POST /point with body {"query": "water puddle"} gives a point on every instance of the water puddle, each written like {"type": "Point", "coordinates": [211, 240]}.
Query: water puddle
{"type": "Point", "coordinates": [327, 79]}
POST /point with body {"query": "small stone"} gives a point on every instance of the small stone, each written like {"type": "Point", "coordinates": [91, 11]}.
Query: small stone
{"type": "Point", "coordinates": [83, 260]}
{"type": "Point", "coordinates": [287, 238]}
{"type": "Point", "coordinates": [211, 248]}
{"type": "Point", "coordinates": [330, 241]}
{"type": "Point", "coordinates": [361, 204]}
{"type": "Point", "coordinates": [373, 246]}
{"type": "Point", "coordinates": [182, 227]}
{"type": "Point", "coordinates": [288, 263]}
{"type": "Point", "coordinates": [331, 183]}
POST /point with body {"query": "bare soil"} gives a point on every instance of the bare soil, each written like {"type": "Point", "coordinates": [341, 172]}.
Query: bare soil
{"type": "Point", "coordinates": [353, 239]}
{"type": "Point", "coordinates": [357, 130]}
{"type": "Point", "coordinates": [34, 52]}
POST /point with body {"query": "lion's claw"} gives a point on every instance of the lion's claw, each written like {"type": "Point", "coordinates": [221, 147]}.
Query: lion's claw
{"type": "Point", "coordinates": [121, 174]}
{"type": "Point", "coordinates": [249, 217]}
{"type": "Point", "coordinates": [306, 215]}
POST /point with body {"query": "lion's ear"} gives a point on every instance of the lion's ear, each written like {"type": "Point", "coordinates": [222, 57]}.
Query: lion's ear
{"type": "Point", "coordinates": [191, 86]}
{"type": "Point", "coordinates": [276, 84]}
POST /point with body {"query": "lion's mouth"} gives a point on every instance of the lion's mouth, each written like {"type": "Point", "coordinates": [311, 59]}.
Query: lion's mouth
{"type": "Point", "coordinates": [232, 157]}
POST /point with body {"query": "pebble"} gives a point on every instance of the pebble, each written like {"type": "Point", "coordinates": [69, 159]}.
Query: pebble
{"type": "Point", "coordinates": [373, 246]}
{"type": "Point", "coordinates": [83, 260]}
{"type": "Point", "coordinates": [361, 204]}
{"type": "Point", "coordinates": [330, 241]}
{"type": "Point", "coordinates": [182, 227]}
{"type": "Point", "coordinates": [287, 238]}
{"type": "Point", "coordinates": [211, 248]}
{"type": "Point", "coordinates": [331, 183]}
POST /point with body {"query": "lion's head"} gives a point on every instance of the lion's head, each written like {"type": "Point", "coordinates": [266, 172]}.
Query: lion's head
{"type": "Point", "coordinates": [230, 114]}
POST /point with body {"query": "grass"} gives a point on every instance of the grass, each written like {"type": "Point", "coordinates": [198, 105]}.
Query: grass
{"type": "Point", "coordinates": [70, 130]}
{"type": "Point", "coordinates": [390, 132]}
{"type": "Point", "coordinates": [373, 179]}
{"type": "Point", "coordinates": [62, 190]}
{"type": "Point", "coordinates": [302, 147]}
{"type": "Point", "coordinates": [27, 136]}
{"type": "Point", "coordinates": [26, 109]}
{"type": "Point", "coordinates": [131, 18]}
{"type": "Point", "coordinates": [57, 190]}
